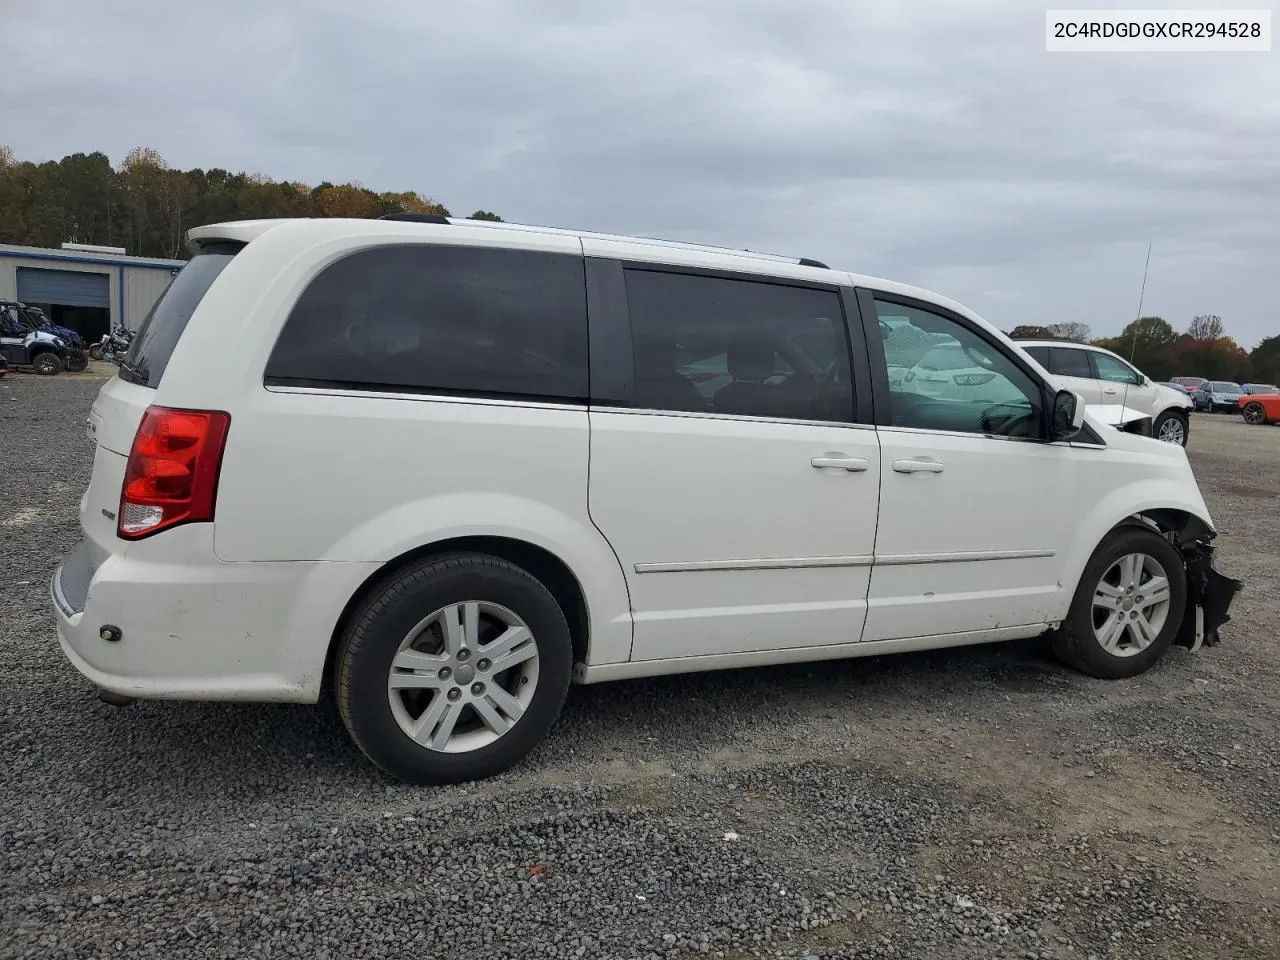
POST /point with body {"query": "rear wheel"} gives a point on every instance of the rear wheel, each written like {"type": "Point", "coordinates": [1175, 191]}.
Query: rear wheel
{"type": "Point", "coordinates": [1127, 607]}
{"type": "Point", "coordinates": [1171, 427]}
{"type": "Point", "coordinates": [454, 669]}
{"type": "Point", "coordinates": [95, 351]}
{"type": "Point", "coordinates": [1254, 413]}
{"type": "Point", "coordinates": [47, 364]}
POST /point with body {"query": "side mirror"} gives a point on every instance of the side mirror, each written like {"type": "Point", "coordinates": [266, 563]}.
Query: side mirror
{"type": "Point", "coordinates": [1067, 416]}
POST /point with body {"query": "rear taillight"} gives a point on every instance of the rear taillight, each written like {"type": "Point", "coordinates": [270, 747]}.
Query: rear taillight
{"type": "Point", "coordinates": [172, 474]}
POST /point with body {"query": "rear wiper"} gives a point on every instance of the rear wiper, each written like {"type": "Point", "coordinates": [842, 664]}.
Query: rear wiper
{"type": "Point", "coordinates": [138, 375]}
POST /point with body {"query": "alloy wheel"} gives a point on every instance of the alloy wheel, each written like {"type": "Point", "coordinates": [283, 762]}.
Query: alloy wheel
{"type": "Point", "coordinates": [1173, 431]}
{"type": "Point", "coordinates": [1254, 413]}
{"type": "Point", "coordinates": [463, 676]}
{"type": "Point", "coordinates": [1131, 604]}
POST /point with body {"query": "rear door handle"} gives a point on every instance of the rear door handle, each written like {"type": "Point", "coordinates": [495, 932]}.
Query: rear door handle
{"type": "Point", "coordinates": [839, 460]}
{"type": "Point", "coordinates": [917, 466]}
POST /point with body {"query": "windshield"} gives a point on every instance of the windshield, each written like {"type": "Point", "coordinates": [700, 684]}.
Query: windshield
{"type": "Point", "coordinates": [1223, 386]}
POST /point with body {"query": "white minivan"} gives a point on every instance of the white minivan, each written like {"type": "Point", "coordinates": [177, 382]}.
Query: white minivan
{"type": "Point", "coordinates": [444, 468]}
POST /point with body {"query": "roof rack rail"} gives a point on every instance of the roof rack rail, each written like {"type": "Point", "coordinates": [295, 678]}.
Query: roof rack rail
{"type": "Point", "coordinates": [807, 262]}
{"type": "Point", "coordinates": [416, 217]}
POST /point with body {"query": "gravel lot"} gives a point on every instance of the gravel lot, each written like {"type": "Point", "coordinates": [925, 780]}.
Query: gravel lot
{"type": "Point", "coordinates": [983, 802]}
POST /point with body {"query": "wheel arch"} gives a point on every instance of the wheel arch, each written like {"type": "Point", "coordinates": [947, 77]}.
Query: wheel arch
{"type": "Point", "coordinates": [1173, 516]}
{"type": "Point", "coordinates": [539, 562]}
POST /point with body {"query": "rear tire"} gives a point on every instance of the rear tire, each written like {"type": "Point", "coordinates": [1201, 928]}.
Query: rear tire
{"type": "Point", "coordinates": [1117, 626]}
{"type": "Point", "coordinates": [47, 364]}
{"type": "Point", "coordinates": [1171, 427]}
{"type": "Point", "coordinates": [95, 351]}
{"type": "Point", "coordinates": [414, 686]}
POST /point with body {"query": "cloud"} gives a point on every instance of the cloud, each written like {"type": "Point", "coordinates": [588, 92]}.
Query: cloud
{"type": "Point", "coordinates": [934, 142]}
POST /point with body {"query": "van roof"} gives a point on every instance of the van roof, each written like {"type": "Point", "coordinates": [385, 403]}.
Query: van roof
{"type": "Point", "coordinates": [246, 231]}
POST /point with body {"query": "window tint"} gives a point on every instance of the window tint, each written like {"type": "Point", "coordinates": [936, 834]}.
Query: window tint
{"type": "Point", "coordinates": [149, 354]}
{"type": "Point", "coordinates": [944, 376]}
{"type": "Point", "coordinates": [443, 319]}
{"type": "Point", "coordinates": [1109, 368]}
{"type": "Point", "coordinates": [709, 344]}
{"type": "Point", "coordinates": [1226, 386]}
{"type": "Point", "coordinates": [1039, 354]}
{"type": "Point", "coordinates": [1065, 362]}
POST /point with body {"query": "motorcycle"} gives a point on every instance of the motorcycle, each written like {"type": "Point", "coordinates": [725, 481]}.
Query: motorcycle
{"type": "Point", "coordinates": [113, 346]}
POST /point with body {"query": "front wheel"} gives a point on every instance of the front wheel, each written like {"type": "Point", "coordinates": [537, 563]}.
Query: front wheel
{"type": "Point", "coordinates": [47, 364]}
{"type": "Point", "coordinates": [454, 669]}
{"type": "Point", "coordinates": [1254, 413]}
{"type": "Point", "coordinates": [77, 362]}
{"type": "Point", "coordinates": [1171, 427]}
{"type": "Point", "coordinates": [1127, 607]}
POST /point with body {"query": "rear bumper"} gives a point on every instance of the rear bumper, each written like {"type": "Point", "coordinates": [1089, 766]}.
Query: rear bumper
{"type": "Point", "coordinates": [199, 629]}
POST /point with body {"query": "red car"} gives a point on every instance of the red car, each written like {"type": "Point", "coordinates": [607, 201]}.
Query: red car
{"type": "Point", "coordinates": [1189, 383]}
{"type": "Point", "coordinates": [1260, 408]}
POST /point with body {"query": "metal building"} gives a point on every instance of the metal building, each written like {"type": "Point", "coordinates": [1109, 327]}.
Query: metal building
{"type": "Point", "coordinates": [86, 288]}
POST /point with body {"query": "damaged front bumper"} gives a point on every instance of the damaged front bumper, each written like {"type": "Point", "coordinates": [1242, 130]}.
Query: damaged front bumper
{"type": "Point", "coordinates": [1209, 597]}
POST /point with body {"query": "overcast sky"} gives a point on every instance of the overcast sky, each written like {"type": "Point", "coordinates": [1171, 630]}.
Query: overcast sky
{"type": "Point", "coordinates": [934, 142]}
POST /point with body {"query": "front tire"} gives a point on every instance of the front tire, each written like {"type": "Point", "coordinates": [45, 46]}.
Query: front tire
{"type": "Point", "coordinates": [1254, 413]}
{"type": "Point", "coordinates": [77, 362]}
{"type": "Point", "coordinates": [1127, 607]}
{"type": "Point", "coordinates": [1171, 427]}
{"type": "Point", "coordinates": [47, 364]}
{"type": "Point", "coordinates": [453, 669]}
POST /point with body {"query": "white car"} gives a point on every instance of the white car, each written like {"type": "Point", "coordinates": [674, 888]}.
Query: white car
{"type": "Point", "coordinates": [452, 466]}
{"type": "Point", "coordinates": [1102, 377]}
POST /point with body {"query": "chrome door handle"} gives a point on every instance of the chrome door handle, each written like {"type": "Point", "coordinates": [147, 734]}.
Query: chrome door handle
{"type": "Point", "coordinates": [852, 464]}
{"type": "Point", "coordinates": [917, 466]}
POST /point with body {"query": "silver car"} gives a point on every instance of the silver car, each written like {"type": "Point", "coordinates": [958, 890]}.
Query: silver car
{"type": "Point", "coordinates": [1218, 395]}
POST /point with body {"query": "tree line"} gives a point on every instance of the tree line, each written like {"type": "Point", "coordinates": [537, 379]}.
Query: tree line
{"type": "Point", "coordinates": [1153, 346]}
{"type": "Point", "coordinates": [147, 208]}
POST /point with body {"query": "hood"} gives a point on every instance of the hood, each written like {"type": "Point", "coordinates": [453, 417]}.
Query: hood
{"type": "Point", "coordinates": [1114, 415]}
{"type": "Point", "coordinates": [1171, 396]}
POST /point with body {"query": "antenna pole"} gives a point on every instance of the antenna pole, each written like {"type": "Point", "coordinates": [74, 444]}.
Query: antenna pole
{"type": "Point", "coordinates": [1133, 343]}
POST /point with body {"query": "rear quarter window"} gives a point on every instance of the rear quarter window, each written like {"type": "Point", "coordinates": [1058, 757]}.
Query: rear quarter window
{"type": "Point", "coordinates": [162, 328]}
{"type": "Point", "coordinates": [428, 318]}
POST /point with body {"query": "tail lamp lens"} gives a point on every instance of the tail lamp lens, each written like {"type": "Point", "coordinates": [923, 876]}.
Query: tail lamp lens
{"type": "Point", "coordinates": [172, 474]}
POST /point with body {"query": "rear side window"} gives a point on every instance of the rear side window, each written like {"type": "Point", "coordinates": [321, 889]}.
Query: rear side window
{"type": "Point", "coordinates": [149, 354]}
{"type": "Point", "coordinates": [1040, 355]}
{"type": "Point", "coordinates": [438, 319]}
{"type": "Point", "coordinates": [1065, 362]}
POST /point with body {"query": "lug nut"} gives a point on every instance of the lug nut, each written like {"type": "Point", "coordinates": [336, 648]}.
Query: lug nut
{"type": "Point", "coordinates": [483, 665]}
{"type": "Point", "coordinates": [477, 688]}
{"type": "Point", "coordinates": [444, 673]}
{"type": "Point", "coordinates": [464, 655]}
{"type": "Point", "coordinates": [455, 693]}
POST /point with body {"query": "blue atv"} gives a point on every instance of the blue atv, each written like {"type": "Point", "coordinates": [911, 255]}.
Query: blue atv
{"type": "Point", "coordinates": [77, 349]}
{"type": "Point", "coordinates": [24, 344]}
